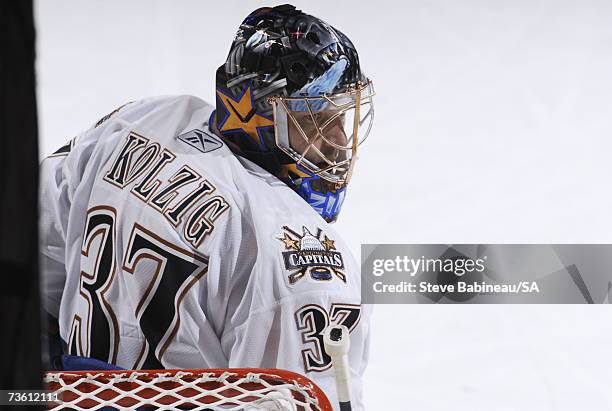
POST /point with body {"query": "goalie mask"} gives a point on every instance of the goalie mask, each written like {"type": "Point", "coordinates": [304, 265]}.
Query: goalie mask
{"type": "Point", "coordinates": [291, 97]}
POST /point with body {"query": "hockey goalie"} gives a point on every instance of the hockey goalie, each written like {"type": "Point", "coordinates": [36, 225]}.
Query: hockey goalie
{"type": "Point", "coordinates": [178, 234]}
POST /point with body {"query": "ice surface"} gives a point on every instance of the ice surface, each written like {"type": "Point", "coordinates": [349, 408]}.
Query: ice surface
{"type": "Point", "coordinates": [493, 125]}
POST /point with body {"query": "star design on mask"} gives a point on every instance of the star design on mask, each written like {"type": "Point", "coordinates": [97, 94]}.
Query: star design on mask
{"type": "Point", "coordinates": [243, 116]}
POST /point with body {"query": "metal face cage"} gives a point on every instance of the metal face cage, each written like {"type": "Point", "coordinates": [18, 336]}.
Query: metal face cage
{"type": "Point", "coordinates": [322, 133]}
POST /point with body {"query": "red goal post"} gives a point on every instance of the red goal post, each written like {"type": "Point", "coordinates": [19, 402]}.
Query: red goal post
{"type": "Point", "coordinates": [203, 389]}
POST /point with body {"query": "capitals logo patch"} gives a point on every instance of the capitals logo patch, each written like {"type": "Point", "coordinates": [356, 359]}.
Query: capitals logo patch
{"type": "Point", "coordinates": [311, 254]}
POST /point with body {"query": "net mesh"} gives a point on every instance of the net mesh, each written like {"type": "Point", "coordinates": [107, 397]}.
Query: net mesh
{"type": "Point", "coordinates": [229, 389]}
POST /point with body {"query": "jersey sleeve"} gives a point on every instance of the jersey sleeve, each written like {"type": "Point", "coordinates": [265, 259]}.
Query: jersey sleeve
{"type": "Point", "coordinates": [289, 335]}
{"type": "Point", "coordinates": [53, 205]}
{"type": "Point", "coordinates": [288, 286]}
{"type": "Point", "coordinates": [60, 174]}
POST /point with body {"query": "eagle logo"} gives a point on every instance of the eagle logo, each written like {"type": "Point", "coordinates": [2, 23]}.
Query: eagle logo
{"type": "Point", "coordinates": [312, 254]}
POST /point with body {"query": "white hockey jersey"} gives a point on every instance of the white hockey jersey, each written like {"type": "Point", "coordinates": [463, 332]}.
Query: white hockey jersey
{"type": "Point", "coordinates": [163, 249]}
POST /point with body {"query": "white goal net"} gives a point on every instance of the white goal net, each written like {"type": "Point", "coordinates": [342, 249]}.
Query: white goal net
{"type": "Point", "coordinates": [229, 389]}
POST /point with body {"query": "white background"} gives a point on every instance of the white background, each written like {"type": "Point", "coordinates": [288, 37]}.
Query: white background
{"type": "Point", "coordinates": [493, 125]}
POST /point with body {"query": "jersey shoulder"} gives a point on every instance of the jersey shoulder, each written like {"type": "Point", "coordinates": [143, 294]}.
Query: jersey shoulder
{"type": "Point", "coordinates": [153, 106]}
{"type": "Point", "coordinates": [298, 252]}
{"type": "Point", "coordinates": [139, 114]}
